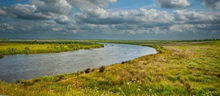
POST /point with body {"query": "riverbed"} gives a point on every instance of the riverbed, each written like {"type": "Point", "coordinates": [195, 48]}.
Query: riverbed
{"type": "Point", "coordinates": [23, 66]}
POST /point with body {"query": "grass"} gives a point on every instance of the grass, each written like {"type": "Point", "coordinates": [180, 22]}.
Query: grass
{"type": "Point", "coordinates": [30, 47]}
{"type": "Point", "coordinates": [180, 68]}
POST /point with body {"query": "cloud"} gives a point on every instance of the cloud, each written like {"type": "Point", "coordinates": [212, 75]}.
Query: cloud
{"type": "Point", "coordinates": [56, 10]}
{"type": "Point", "coordinates": [214, 4]}
{"type": "Point", "coordinates": [2, 11]}
{"type": "Point", "coordinates": [173, 3]}
{"type": "Point", "coordinates": [93, 20]}
{"type": "Point", "coordinates": [27, 12]}
{"type": "Point", "coordinates": [196, 17]}
{"type": "Point", "coordinates": [84, 4]}
{"type": "Point", "coordinates": [184, 15]}
{"type": "Point", "coordinates": [62, 20]}
{"type": "Point", "coordinates": [209, 27]}
{"type": "Point", "coordinates": [6, 27]}
{"type": "Point", "coordinates": [100, 16]}
{"type": "Point", "coordinates": [124, 22]}
{"type": "Point", "coordinates": [52, 6]}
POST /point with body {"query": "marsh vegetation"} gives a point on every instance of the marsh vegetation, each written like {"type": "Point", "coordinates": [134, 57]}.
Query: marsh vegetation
{"type": "Point", "coordinates": [30, 47]}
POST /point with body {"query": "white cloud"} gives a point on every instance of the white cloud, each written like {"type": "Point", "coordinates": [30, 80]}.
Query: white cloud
{"type": "Point", "coordinates": [57, 10]}
{"type": "Point", "coordinates": [84, 4]}
{"type": "Point", "coordinates": [40, 10]}
{"type": "Point", "coordinates": [62, 19]}
{"type": "Point", "coordinates": [27, 11]}
{"type": "Point", "coordinates": [183, 15]}
{"type": "Point", "coordinates": [173, 3]}
{"type": "Point", "coordinates": [101, 16]}
{"type": "Point", "coordinates": [52, 6]}
{"type": "Point", "coordinates": [92, 18]}
{"type": "Point", "coordinates": [196, 17]}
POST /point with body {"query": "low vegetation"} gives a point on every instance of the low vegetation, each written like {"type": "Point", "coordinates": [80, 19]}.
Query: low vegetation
{"type": "Point", "coordinates": [180, 68]}
{"type": "Point", "coordinates": [30, 47]}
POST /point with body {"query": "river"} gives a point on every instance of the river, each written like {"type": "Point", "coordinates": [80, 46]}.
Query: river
{"type": "Point", "coordinates": [23, 66]}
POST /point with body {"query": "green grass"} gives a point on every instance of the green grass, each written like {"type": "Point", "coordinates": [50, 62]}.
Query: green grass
{"type": "Point", "coordinates": [180, 68]}
{"type": "Point", "coordinates": [30, 47]}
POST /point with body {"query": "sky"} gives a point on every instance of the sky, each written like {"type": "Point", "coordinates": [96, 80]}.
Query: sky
{"type": "Point", "coordinates": [110, 19]}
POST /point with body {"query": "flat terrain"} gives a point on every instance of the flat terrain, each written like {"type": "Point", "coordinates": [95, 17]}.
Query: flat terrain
{"type": "Point", "coordinates": [30, 47]}
{"type": "Point", "coordinates": [179, 68]}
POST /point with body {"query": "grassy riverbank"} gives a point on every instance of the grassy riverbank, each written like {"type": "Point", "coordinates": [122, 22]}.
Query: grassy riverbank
{"type": "Point", "coordinates": [30, 47]}
{"type": "Point", "coordinates": [180, 68]}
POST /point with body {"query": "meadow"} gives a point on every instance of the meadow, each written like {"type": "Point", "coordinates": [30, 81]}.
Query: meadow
{"type": "Point", "coordinates": [43, 46]}
{"type": "Point", "coordinates": [182, 68]}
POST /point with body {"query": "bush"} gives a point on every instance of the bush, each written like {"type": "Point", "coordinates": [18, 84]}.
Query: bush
{"type": "Point", "coordinates": [19, 82]}
{"type": "Point", "coordinates": [87, 70]}
{"type": "Point", "coordinates": [102, 69]}
{"type": "Point", "coordinates": [26, 48]}
{"type": "Point", "coordinates": [36, 80]}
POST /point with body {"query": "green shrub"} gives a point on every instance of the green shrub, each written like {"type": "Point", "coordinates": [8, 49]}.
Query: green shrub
{"type": "Point", "coordinates": [46, 78]}
{"type": "Point", "coordinates": [102, 69]}
{"type": "Point", "coordinates": [87, 70]}
{"type": "Point", "coordinates": [19, 82]}
{"type": "Point", "coordinates": [59, 77]}
{"type": "Point", "coordinates": [26, 48]}
{"type": "Point", "coordinates": [36, 80]}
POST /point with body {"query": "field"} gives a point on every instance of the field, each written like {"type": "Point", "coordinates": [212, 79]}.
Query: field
{"type": "Point", "coordinates": [180, 68]}
{"type": "Point", "coordinates": [30, 47]}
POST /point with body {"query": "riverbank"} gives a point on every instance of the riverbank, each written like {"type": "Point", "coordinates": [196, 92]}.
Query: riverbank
{"type": "Point", "coordinates": [180, 68]}
{"type": "Point", "coordinates": [36, 65]}
{"type": "Point", "coordinates": [34, 47]}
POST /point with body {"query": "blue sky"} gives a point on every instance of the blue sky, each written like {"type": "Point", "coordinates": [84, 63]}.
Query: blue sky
{"type": "Point", "coordinates": [110, 19]}
{"type": "Point", "coordinates": [12, 2]}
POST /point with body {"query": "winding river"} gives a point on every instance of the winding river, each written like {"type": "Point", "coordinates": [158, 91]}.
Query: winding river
{"type": "Point", "coordinates": [16, 67]}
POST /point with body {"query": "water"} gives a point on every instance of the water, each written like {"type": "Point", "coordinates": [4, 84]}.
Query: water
{"type": "Point", "coordinates": [16, 67]}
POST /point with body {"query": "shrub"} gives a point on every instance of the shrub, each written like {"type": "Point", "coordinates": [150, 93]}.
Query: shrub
{"type": "Point", "coordinates": [87, 70]}
{"type": "Point", "coordinates": [58, 78]}
{"type": "Point", "coordinates": [26, 48]}
{"type": "Point", "coordinates": [19, 82]}
{"type": "Point", "coordinates": [102, 69]}
{"type": "Point", "coordinates": [46, 78]}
